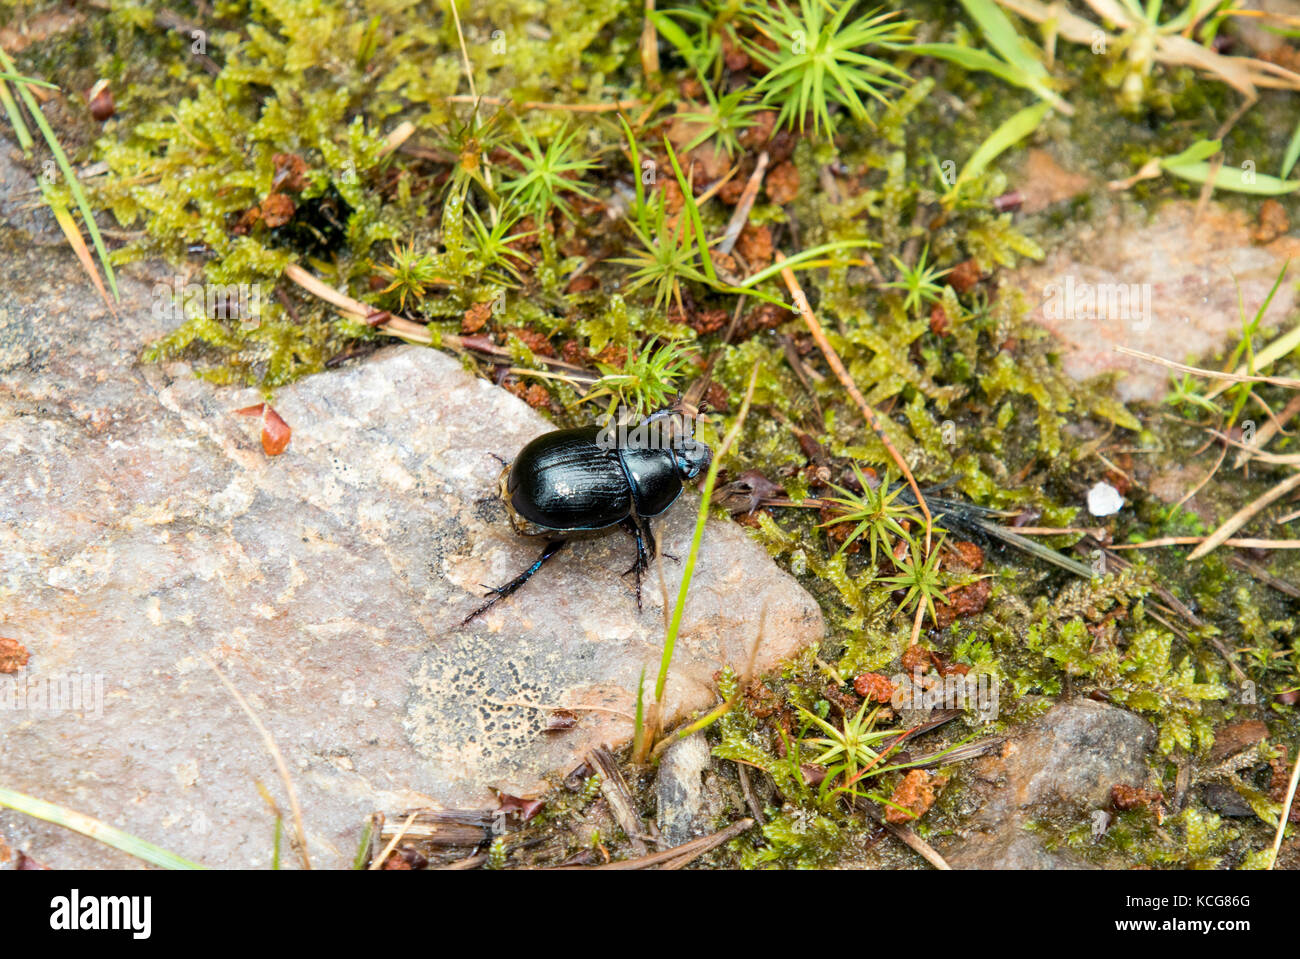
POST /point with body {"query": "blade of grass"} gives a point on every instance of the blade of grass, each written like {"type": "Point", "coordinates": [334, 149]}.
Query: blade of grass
{"type": "Point", "coordinates": [636, 175]}
{"type": "Point", "coordinates": [638, 738]}
{"type": "Point", "coordinates": [688, 571]}
{"type": "Point", "coordinates": [363, 847]}
{"type": "Point", "coordinates": [275, 843]}
{"type": "Point", "coordinates": [96, 830]}
{"type": "Point", "coordinates": [800, 260]}
{"type": "Point", "coordinates": [19, 78]}
{"type": "Point", "coordinates": [1233, 178]}
{"type": "Point", "coordinates": [1292, 154]}
{"type": "Point", "coordinates": [16, 119]}
{"type": "Point", "coordinates": [693, 212]}
{"type": "Point", "coordinates": [65, 167]}
{"type": "Point", "coordinates": [1014, 129]}
{"type": "Point", "coordinates": [1022, 68]}
{"type": "Point", "coordinates": [1198, 151]}
{"type": "Point", "coordinates": [1279, 348]}
{"type": "Point", "coordinates": [1003, 37]}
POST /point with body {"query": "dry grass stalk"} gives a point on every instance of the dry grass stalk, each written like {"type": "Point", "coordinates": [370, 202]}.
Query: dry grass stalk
{"type": "Point", "coordinates": [873, 421]}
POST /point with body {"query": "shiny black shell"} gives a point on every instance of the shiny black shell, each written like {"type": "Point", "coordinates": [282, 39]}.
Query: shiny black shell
{"type": "Point", "coordinates": [564, 481]}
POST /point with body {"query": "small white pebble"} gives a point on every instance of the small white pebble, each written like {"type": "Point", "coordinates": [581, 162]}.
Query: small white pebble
{"type": "Point", "coordinates": [1104, 500]}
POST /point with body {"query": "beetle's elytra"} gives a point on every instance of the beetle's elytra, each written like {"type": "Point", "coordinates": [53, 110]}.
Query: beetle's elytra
{"type": "Point", "coordinates": [590, 481]}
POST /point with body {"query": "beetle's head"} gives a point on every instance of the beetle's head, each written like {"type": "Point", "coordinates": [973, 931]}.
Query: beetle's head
{"type": "Point", "coordinates": [692, 457]}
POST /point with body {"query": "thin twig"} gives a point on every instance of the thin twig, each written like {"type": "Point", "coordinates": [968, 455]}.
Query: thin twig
{"type": "Point", "coordinates": [681, 855]}
{"type": "Point", "coordinates": [1208, 476]}
{"type": "Point", "coordinates": [1252, 450]}
{"type": "Point", "coordinates": [614, 788]}
{"type": "Point", "coordinates": [378, 861]}
{"type": "Point", "coordinates": [401, 327]}
{"type": "Point", "coordinates": [543, 105]}
{"type": "Point", "coordinates": [747, 788]}
{"type": "Point", "coordinates": [1265, 577]}
{"type": "Point", "coordinates": [1095, 531]}
{"type": "Point", "coordinates": [1202, 540]}
{"type": "Point", "coordinates": [1244, 515]}
{"type": "Point", "coordinates": [915, 842]}
{"type": "Point", "coordinates": [833, 359]}
{"type": "Point", "coordinates": [741, 215]}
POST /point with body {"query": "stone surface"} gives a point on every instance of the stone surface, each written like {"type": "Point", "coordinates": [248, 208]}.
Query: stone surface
{"type": "Point", "coordinates": [145, 535]}
{"type": "Point", "coordinates": [1187, 268]}
{"type": "Point", "coordinates": [20, 199]}
{"type": "Point", "coordinates": [1063, 763]}
{"type": "Point", "coordinates": [679, 790]}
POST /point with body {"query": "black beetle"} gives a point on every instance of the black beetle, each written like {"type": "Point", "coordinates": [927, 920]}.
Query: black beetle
{"type": "Point", "coordinates": [589, 481]}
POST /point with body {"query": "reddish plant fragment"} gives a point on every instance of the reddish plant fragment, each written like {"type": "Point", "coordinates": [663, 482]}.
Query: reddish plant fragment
{"type": "Point", "coordinates": [277, 210]}
{"type": "Point", "coordinates": [561, 720]}
{"type": "Point", "coordinates": [873, 686]}
{"type": "Point", "coordinates": [813, 775]}
{"type": "Point", "coordinates": [916, 794]}
{"type": "Point", "coordinates": [782, 184]}
{"type": "Point", "coordinates": [916, 657]}
{"type": "Point", "coordinates": [100, 99]}
{"type": "Point", "coordinates": [525, 809]}
{"type": "Point", "coordinates": [1125, 798]}
{"type": "Point", "coordinates": [476, 317]}
{"type": "Point", "coordinates": [406, 857]}
{"type": "Point", "coordinates": [964, 601]}
{"type": "Point", "coordinates": [965, 275]}
{"type": "Point", "coordinates": [13, 655]}
{"type": "Point", "coordinates": [275, 431]}
{"type": "Point", "coordinates": [290, 172]}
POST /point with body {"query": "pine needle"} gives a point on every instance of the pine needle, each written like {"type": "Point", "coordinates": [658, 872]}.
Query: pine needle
{"type": "Point", "coordinates": [68, 225]}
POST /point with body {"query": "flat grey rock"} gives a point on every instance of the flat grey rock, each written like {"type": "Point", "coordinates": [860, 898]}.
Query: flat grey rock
{"type": "Point", "coordinates": [1063, 763]}
{"type": "Point", "coordinates": [145, 535]}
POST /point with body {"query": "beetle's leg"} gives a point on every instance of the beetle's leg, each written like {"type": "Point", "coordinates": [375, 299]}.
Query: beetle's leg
{"type": "Point", "coordinates": [501, 592]}
{"type": "Point", "coordinates": [633, 525]}
{"type": "Point", "coordinates": [652, 546]}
